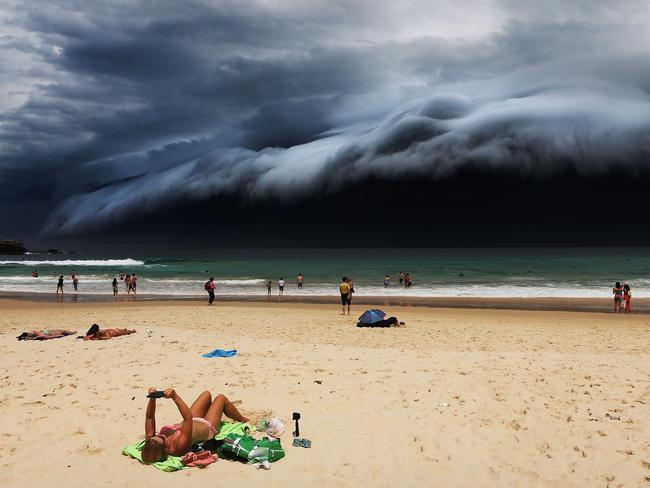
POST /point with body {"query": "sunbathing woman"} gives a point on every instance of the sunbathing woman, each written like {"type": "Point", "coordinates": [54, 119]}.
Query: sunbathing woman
{"type": "Point", "coordinates": [200, 422]}
{"type": "Point", "coordinates": [45, 334]}
{"type": "Point", "coordinates": [105, 334]}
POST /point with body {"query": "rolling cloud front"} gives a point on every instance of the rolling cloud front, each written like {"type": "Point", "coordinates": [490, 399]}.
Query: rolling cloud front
{"type": "Point", "coordinates": [116, 113]}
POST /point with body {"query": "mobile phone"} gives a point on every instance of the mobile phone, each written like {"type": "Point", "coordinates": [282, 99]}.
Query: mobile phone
{"type": "Point", "coordinates": [156, 394]}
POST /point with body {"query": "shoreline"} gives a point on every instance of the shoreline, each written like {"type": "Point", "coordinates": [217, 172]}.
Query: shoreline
{"type": "Point", "coordinates": [595, 305]}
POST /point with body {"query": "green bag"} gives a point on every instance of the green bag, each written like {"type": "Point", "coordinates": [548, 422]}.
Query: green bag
{"type": "Point", "coordinates": [251, 450]}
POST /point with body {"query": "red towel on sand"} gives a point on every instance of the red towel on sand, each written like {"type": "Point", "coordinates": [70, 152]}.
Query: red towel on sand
{"type": "Point", "coordinates": [200, 458]}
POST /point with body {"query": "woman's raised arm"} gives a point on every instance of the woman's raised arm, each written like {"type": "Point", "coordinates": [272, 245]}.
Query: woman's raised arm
{"type": "Point", "coordinates": [150, 416]}
{"type": "Point", "coordinates": [185, 438]}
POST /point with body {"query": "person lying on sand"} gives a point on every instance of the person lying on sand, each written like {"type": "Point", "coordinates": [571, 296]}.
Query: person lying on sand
{"type": "Point", "coordinates": [200, 422]}
{"type": "Point", "coordinates": [45, 334]}
{"type": "Point", "coordinates": [105, 334]}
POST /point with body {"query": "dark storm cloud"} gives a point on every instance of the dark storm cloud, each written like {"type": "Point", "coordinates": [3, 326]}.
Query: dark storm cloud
{"type": "Point", "coordinates": [128, 109]}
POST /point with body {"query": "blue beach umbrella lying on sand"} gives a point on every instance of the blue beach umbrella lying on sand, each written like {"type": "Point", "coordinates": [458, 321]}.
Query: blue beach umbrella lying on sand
{"type": "Point", "coordinates": [372, 316]}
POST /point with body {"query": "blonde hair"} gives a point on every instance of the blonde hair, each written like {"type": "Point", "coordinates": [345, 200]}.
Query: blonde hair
{"type": "Point", "coordinates": [153, 451]}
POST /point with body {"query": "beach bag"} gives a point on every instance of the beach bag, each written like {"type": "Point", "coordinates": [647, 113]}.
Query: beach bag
{"type": "Point", "coordinates": [250, 450]}
{"type": "Point", "coordinates": [207, 286]}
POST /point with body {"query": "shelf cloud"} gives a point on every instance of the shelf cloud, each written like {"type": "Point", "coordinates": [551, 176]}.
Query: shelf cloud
{"type": "Point", "coordinates": [112, 115]}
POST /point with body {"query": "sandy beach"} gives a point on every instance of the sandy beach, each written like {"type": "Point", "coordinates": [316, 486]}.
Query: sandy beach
{"type": "Point", "coordinates": [458, 397]}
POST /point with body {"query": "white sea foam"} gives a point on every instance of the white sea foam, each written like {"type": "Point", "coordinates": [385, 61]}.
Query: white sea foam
{"type": "Point", "coordinates": [101, 284]}
{"type": "Point", "coordinates": [240, 282]}
{"type": "Point", "coordinates": [75, 262]}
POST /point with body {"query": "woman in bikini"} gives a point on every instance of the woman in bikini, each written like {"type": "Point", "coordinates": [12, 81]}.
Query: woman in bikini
{"type": "Point", "coordinates": [627, 298]}
{"type": "Point", "coordinates": [618, 297]}
{"type": "Point", "coordinates": [45, 334]}
{"type": "Point", "coordinates": [105, 334]}
{"type": "Point", "coordinates": [200, 422]}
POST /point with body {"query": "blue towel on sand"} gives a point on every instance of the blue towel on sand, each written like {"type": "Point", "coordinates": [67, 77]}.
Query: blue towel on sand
{"type": "Point", "coordinates": [220, 353]}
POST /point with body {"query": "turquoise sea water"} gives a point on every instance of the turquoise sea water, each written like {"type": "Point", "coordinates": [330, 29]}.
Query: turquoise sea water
{"type": "Point", "coordinates": [557, 272]}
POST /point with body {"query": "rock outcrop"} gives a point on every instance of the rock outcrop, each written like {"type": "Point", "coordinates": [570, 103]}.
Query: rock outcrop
{"type": "Point", "coordinates": [8, 246]}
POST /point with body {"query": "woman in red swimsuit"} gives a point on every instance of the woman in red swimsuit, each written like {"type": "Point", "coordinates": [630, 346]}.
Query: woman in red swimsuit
{"type": "Point", "coordinates": [200, 423]}
{"type": "Point", "coordinates": [627, 298]}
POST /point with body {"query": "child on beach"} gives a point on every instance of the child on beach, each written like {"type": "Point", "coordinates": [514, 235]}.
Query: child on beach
{"type": "Point", "coordinates": [127, 284]}
{"type": "Point", "coordinates": [114, 287]}
{"type": "Point", "coordinates": [386, 281]}
{"type": "Point", "coordinates": [299, 281]}
{"type": "Point", "coordinates": [59, 285]}
{"type": "Point", "coordinates": [200, 423]}
{"type": "Point", "coordinates": [281, 286]}
{"type": "Point", "coordinates": [618, 297]}
{"type": "Point", "coordinates": [627, 298]}
{"type": "Point", "coordinates": [268, 288]}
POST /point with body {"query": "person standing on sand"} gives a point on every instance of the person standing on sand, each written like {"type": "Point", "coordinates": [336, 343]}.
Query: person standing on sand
{"type": "Point", "coordinates": [627, 298]}
{"type": "Point", "coordinates": [209, 287]}
{"type": "Point", "coordinates": [618, 297]}
{"type": "Point", "coordinates": [268, 288]}
{"type": "Point", "coordinates": [281, 286]}
{"type": "Point", "coordinates": [59, 285]}
{"type": "Point", "coordinates": [346, 294]}
{"type": "Point", "coordinates": [299, 280]}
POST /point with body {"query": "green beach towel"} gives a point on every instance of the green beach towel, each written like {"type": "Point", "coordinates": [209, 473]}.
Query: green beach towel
{"type": "Point", "coordinates": [173, 463]}
{"type": "Point", "coordinates": [226, 428]}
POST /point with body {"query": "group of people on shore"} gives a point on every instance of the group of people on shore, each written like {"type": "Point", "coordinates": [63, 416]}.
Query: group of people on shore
{"type": "Point", "coordinates": [622, 298]}
{"type": "Point", "coordinates": [300, 280]}
{"type": "Point", "coordinates": [130, 283]}
{"type": "Point", "coordinates": [59, 284]}
{"type": "Point", "coordinates": [405, 280]}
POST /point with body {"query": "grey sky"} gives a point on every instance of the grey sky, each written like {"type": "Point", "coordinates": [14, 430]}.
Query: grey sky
{"type": "Point", "coordinates": [110, 103]}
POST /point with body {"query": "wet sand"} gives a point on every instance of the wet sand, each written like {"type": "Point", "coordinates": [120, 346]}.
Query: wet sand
{"type": "Point", "coordinates": [640, 305]}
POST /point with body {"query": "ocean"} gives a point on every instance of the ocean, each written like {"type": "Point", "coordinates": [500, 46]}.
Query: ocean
{"type": "Point", "coordinates": [499, 273]}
